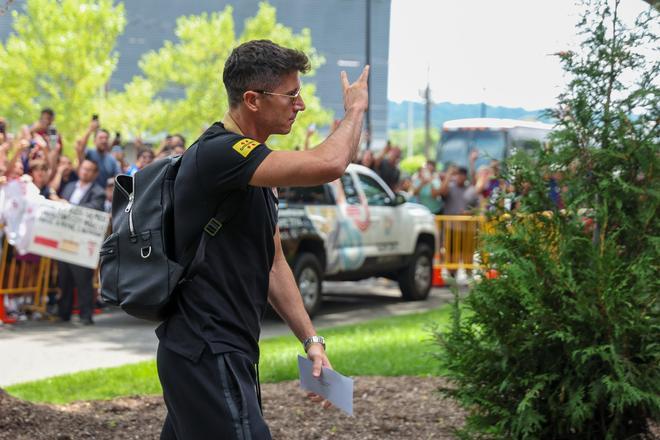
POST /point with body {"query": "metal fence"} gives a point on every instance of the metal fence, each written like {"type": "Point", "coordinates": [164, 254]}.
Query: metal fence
{"type": "Point", "coordinates": [29, 276]}
{"type": "Point", "coordinates": [459, 236]}
{"type": "Point", "coordinates": [35, 277]}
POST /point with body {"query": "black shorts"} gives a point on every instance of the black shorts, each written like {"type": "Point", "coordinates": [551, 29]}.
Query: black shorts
{"type": "Point", "coordinates": [213, 398]}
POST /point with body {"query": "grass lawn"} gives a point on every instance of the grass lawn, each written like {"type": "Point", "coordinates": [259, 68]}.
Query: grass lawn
{"type": "Point", "coordinates": [385, 347]}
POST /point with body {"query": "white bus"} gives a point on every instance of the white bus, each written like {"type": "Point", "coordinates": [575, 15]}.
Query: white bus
{"type": "Point", "coordinates": [493, 138]}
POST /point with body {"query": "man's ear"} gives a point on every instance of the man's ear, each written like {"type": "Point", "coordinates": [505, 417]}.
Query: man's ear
{"type": "Point", "coordinates": [251, 100]}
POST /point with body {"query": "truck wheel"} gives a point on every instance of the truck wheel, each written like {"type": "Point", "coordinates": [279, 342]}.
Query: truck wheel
{"type": "Point", "coordinates": [307, 272]}
{"type": "Point", "coordinates": [415, 280]}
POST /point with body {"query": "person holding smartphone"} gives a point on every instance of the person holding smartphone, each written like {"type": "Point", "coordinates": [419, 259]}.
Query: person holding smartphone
{"type": "Point", "coordinates": [45, 129]}
{"type": "Point", "coordinates": [101, 155]}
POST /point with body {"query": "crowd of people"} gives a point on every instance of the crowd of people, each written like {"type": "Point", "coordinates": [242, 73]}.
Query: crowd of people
{"type": "Point", "coordinates": [88, 180]}
{"type": "Point", "coordinates": [35, 152]}
{"type": "Point", "coordinates": [451, 191]}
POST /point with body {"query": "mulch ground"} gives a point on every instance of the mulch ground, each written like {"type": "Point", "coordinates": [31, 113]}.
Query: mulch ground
{"type": "Point", "coordinates": [384, 408]}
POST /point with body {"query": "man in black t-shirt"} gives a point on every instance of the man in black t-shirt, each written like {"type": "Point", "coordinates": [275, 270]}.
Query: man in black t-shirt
{"type": "Point", "coordinates": [209, 346]}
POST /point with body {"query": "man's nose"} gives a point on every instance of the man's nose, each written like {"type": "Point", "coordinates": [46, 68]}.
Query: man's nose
{"type": "Point", "coordinates": [299, 106]}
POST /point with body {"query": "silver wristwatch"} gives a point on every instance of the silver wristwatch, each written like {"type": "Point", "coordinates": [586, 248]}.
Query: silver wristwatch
{"type": "Point", "coordinates": [313, 340]}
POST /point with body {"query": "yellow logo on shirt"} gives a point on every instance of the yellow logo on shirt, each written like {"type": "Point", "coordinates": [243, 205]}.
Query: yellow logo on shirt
{"type": "Point", "coordinates": [245, 146]}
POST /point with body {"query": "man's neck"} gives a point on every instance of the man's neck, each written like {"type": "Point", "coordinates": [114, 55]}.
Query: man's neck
{"type": "Point", "coordinates": [246, 126]}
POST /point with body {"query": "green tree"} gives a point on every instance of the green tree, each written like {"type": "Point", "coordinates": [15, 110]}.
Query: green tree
{"type": "Point", "coordinates": [563, 344]}
{"type": "Point", "coordinates": [59, 55]}
{"type": "Point", "coordinates": [400, 138]}
{"type": "Point", "coordinates": [138, 116]}
{"type": "Point", "coordinates": [194, 64]}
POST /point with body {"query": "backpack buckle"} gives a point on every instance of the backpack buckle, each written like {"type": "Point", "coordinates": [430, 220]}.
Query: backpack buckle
{"type": "Point", "coordinates": [212, 227]}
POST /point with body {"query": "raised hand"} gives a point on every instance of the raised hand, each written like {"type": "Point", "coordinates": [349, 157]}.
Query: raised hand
{"type": "Point", "coordinates": [356, 95]}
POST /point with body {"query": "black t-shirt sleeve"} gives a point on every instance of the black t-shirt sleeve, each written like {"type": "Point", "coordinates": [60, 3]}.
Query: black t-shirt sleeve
{"type": "Point", "coordinates": [227, 163]}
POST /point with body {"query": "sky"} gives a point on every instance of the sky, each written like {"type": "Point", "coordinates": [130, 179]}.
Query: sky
{"type": "Point", "coordinates": [493, 51]}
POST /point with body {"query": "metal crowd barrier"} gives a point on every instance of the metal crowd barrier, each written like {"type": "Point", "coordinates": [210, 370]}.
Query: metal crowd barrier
{"type": "Point", "coordinates": [30, 277]}
{"type": "Point", "coordinates": [459, 235]}
{"type": "Point", "coordinates": [35, 278]}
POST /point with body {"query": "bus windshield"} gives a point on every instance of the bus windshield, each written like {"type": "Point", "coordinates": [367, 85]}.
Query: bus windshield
{"type": "Point", "coordinates": [456, 145]}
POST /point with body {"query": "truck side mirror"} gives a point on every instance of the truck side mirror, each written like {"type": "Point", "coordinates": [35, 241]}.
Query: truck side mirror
{"type": "Point", "coordinates": [399, 199]}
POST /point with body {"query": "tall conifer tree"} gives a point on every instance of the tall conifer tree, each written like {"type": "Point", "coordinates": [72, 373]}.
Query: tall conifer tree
{"type": "Point", "coordinates": [565, 342]}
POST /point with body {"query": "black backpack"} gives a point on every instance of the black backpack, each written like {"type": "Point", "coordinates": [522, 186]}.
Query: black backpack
{"type": "Point", "coordinates": [138, 268]}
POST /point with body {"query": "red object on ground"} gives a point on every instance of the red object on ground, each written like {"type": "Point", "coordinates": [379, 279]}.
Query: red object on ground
{"type": "Point", "coordinates": [76, 309]}
{"type": "Point", "coordinates": [437, 281]}
{"type": "Point", "coordinates": [3, 316]}
{"type": "Point", "coordinates": [491, 274]}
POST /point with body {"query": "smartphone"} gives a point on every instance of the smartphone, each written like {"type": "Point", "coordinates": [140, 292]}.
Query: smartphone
{"type": "Point", "coordinates": [52, 137]}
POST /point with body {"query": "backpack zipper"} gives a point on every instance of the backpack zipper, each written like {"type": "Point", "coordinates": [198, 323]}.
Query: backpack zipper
{"type": "Point", "coordinates": [130, 213]}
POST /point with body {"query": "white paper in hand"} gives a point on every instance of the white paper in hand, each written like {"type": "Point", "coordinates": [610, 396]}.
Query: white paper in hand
{"type": "Point", "coordinates": [331, 385]}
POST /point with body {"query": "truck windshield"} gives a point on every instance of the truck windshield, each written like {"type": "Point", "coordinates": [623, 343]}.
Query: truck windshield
{"type": "Point", "coordinates": [456, 145]}
{"type": "Point", "coordinates": [313, 195]}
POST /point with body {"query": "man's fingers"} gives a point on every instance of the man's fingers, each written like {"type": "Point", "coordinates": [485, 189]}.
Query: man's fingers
{"type": "Point", "coordinates": [315, 397]}
{"type": "Point", "coordinates": [319, 399]}
{"type": "Point", "coordinates": [344, 80]}
{"type": "Point", "coordinates": [316, 368]}
{"type": "Point", "coordinates": [365, 74]}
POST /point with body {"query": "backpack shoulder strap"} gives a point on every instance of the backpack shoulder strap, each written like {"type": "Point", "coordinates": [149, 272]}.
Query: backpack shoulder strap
{"type": "Point", "coordinates": [195, 252]}
{"type": "Point", "coordinates": [194, 255]}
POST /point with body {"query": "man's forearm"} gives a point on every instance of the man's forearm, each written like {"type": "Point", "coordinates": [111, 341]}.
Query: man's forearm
{"type": "Point", "coordinates": [85, 138]}
{"type": "Point", "coordinates": [56, 181]}
{"type": "Point", "coordinates": [344, 143]}
{"type": "Point", "coordinates": [81, 143]}
{"type": "Point", "coordinates": [284, 296]}
{"type": "Point", "coordinates": [444, 187]}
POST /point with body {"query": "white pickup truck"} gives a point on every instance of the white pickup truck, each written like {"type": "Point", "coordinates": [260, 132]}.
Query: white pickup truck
{"type": "Point", "coordinates": [356, 228]}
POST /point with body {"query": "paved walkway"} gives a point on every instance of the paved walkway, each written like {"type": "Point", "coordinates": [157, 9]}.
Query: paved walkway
{"type": "Point", "coordinates": [36, 350]}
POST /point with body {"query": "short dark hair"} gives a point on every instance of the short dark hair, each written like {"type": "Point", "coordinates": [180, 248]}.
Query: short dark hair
{"type": "Point", "coordinates": [146, 151]}
{"type": "Point", "coordinates": [102, 130]}
{"type": "Point", "coordinates": [38, 164]}
{"type": "Point", "coordinates": [259, 65]}
{"type": "Point", "coordinates": [463, 171]}
{"type": "Point", "coordinates": [48, 111]}
{"type": "Point", "coordinates": [180, 136]}
{"type": "Point", "coordinates": [87, 159]}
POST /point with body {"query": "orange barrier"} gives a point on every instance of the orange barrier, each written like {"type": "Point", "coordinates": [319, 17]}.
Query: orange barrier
{"type": "Point", "coordinates": [458, 240]}
{"type": "Point", "coordinates": [458, 244]}
{"type": "Point", "coordinates": [25, 277]}
{"type": "Point", "coordinates": [31, 278]}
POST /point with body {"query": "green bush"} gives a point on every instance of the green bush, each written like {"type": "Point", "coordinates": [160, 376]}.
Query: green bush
{"type": "Point", "coordinates": [410, 165]}
{"type": "Point", "coordinates": [564, 343]}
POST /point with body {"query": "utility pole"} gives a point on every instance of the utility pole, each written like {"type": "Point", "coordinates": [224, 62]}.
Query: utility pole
{"type": "Point", "coordinates": [427, 115]}
{"type": "Point", "coordinates": [410, 128]}
{"type": "Point", "coordinates": [483, 102]}
{"type": "Point", "coordinates": [368, 56]}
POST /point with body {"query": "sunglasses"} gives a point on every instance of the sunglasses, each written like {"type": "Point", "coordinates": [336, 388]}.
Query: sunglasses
{"type": "Point", "coordinates": [293, 98]}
